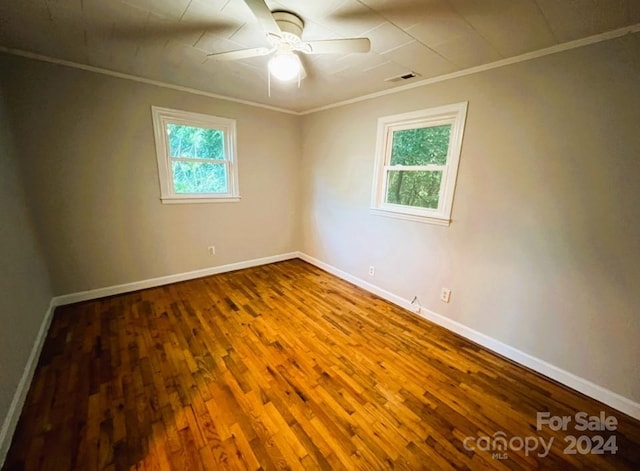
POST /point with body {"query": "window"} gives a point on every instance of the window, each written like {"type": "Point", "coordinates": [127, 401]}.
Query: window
{"type": "Point", "coordinates": [196, 153]}
{"type": "Point", "coordinates": [417, 162]}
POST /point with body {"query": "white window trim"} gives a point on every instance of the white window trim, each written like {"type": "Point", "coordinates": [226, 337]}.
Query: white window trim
{"type": "Point", "coordinates": [164, 116]}
{"type": "Point", "coordinates": [455, 115]}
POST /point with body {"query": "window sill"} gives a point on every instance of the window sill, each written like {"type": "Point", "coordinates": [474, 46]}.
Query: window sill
{"type": "Point", "coordinates": [438, 221]}
{"type": "Point", "coordinates": [199, 199]}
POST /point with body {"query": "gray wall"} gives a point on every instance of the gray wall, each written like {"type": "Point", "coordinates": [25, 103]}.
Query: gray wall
{"type": "Point", "coordinates": [92, 179]}
{"type": "Point", "coordinates": [544, 250]}
{"type": "Point", "coordinates": [24, 283]}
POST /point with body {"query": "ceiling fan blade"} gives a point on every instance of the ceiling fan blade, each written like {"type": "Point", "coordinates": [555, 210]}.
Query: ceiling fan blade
{"type": "Point", "coordinates": [338, 46]}
{"type": "Point", "coordinates": [241, 54]}
{"type": "Point", "coordinates": [264, 16]}
{"type": "Point", "coordinates": [411, 12]}
{"type": "Point", "coordinates": [172, 31]}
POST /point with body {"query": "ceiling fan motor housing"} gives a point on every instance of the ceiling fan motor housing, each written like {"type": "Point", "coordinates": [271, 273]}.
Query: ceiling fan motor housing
{"type": "Point", "coordinates": [290, 24]}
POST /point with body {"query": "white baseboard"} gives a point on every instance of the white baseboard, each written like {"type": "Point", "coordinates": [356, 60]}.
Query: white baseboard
{"type": "Point", "coordinates": [15, 408]}
{"type": "Point", "coordinates": [165, 280]}
{"type": "Point", "coordinates": [582, 385]}
{"type": "Point", "coordinates": [357, 281]}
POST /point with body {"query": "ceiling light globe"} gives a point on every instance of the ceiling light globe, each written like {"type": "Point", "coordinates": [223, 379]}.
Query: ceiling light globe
{"type": "Point", "coordinates": [284, 67]}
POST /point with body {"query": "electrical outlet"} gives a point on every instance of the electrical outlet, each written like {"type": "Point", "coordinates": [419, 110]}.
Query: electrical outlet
{"type": "Point", "coordinates": [445, 295]}
{"type": "Point", "coordinates": [212, 250]}
{"type": "Point", "coordinates": [372, 270]}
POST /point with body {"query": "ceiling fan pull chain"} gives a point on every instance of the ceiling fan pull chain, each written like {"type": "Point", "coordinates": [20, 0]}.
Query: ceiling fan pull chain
{"type": "Point", "coordinates": [269, 81]}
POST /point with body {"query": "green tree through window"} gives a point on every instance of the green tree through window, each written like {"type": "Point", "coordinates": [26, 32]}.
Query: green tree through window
{"type": "Point", "coordinates": [416, 167]}
{"type": "Point", "coordinates": [420, 148]}
{"type": "Point", "coordinates": [196, 177]}
{"type": "Point", "coordinates": [197, 157]}
{"type": "Point", "coordinates": [195, 143]}
{"type": "Point", "coordinates": [188, 144]}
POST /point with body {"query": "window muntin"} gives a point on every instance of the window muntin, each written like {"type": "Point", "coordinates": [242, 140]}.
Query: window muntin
{"type": "Point", "coordinates": [417, 162]}
{"type": "Point", "coordinates": [196, 157]}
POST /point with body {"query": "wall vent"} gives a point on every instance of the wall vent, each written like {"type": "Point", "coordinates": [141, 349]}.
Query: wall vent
{"type": "Point", "coordinates": [405, 76]}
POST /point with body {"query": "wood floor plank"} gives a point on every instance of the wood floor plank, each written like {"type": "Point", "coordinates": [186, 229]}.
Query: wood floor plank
{"type": "Point", "coordinates": [282, 366]}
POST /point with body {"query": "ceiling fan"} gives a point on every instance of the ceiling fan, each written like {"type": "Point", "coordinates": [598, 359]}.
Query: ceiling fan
{"type": "Point", "coordinates": [284, 31]}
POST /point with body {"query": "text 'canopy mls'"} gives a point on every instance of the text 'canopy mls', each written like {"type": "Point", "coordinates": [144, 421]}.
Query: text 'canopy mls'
{"type": "Point", "coordinates": [421, 146]}
{"type": "Point", "coordinates": [195, 143]}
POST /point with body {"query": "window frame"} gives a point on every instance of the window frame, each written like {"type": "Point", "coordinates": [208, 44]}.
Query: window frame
{"type": "Point", "coordinates": [455, 115]}
{"type": "Point", "coordinates": [164, 116]}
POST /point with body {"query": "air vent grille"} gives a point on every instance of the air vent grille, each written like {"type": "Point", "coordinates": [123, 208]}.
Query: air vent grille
{"type": "Point", "coordinates": [405, 76]}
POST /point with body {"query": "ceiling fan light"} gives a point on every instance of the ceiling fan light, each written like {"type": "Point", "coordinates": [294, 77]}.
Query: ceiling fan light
{"type": "Point", "coordinates": [285, 66]}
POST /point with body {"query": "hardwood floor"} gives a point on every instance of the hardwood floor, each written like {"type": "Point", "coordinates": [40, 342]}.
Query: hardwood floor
{"type": "Point", "coordinates": [284, 367]}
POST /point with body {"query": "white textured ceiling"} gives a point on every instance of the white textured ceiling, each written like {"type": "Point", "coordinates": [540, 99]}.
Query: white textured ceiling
{"type": "Point", "coordinates": [169, 40]}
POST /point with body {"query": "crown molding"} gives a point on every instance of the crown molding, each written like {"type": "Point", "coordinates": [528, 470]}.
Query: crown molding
{"type": "Point", "coordinates": [616, 33]}
{"type": "Point", "coordinates": [135, 78]}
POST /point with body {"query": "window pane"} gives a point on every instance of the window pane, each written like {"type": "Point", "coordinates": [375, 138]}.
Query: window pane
{"type": "Point", "coordinates": [195, 143]}
{"type": "Point", "coordinates": [414, 188]}
{"type": "Point", "coordinates": [422, 146]}
{"type": "Point", "coordinates": [199, 177]}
